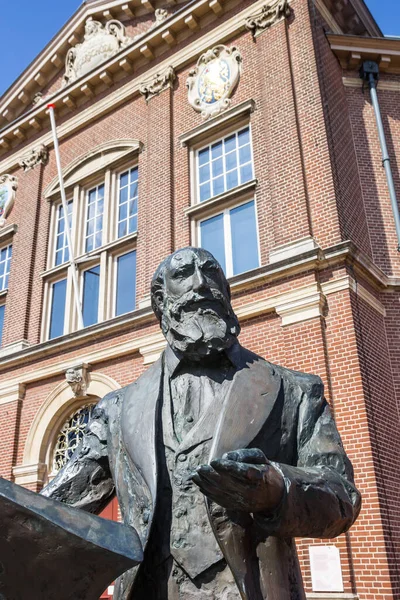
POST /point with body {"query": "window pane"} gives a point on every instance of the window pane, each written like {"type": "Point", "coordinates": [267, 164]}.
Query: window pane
{"type": "Point", "coordinates": [61, 250]}
{"type": "Point", "coordinates": [244, 238]}
{"type": "Point", "coordinates": [57, 313]}
{"type": "Point", "coordinates": [204, 156]}
{"type": "Point", "coordinates": [126, 283]}
{"type": "Point", "coordinates": [225, 164]}
{"type": "Point", "coordinates": [127, 223]}
{"type": "Point", "coordinates": [212, 237]}
{"type": "Point", "coordinates": [2, 309]}
{"type": "Point", "coordinates": [94, 218]}
{"type": "Point", "coordinates": [91, 281]}
{"type": "Point", "coordinates": [5, 261]}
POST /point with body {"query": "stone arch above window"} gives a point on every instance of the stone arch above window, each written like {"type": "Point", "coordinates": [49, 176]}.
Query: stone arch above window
{"type": "Point", "coordinates": [49, 420]}
{"type": "Point", "coordinates": [92, 162]}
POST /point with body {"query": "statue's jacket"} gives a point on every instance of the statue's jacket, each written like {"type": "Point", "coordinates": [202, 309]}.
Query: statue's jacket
{"type": "Point", "coordinates": [279, 411]}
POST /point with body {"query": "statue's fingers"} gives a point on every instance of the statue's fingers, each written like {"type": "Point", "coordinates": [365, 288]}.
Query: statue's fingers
{"type": "Point", "coordinates": [253, 456]}
{"type": "Point", "coordinates": [240, 471]}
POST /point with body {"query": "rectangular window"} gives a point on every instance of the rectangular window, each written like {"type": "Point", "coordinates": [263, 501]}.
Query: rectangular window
{"type": "Point", "coordinates": [126, 283]}
{"type": "Point", "coordinates": [128, 202]}
{"type": "Point", "coordinates": [5, 261]}
{"type": "Point", "coordinates": [57, 312]}
{"type": "Point", "coordinates": [232, 238]}
{"type": "Point", "coordinates": [2, 310]}
{"type": "Point", "coordinates": [94, 218]}
{"type": "Point", "coordinates": [62, 252]}
{"type": "Point", "coordinates": [91, 284]}
{"type": "Point", "coordinates": [224, 165]}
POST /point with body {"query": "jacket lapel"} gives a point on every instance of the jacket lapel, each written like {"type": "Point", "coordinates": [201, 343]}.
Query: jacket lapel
{"type": "Point", "coordinates": [248, 405]}
{"type": "Point", "coordinates": [139, 424]}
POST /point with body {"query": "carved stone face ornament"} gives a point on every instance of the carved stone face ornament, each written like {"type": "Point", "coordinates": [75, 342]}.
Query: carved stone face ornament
{"type": "Point", "coordinates": [214, 79]}
{"type": "Point", "coordinates": [196, 316]}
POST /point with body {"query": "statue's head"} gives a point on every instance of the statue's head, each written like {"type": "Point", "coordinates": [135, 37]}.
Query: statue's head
{"type": "Point", "coordinates": [191, 298]}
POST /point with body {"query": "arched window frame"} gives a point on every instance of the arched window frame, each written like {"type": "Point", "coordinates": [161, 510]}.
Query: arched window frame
{"type": "Point", "coordinates": [101, 166]}
{"type": "Point", "coordinates": [36, 464]}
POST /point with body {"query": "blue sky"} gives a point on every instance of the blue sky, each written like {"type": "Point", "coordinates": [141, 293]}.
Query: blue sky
{"type": "Point", "coordinates": [28, 26]}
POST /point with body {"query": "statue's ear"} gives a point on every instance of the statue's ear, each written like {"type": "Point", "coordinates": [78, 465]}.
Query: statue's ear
{"type": "Point", "coordinates": [158, 303]}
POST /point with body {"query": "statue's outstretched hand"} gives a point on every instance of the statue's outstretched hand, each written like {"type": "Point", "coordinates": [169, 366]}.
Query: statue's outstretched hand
{"type": "Point", "coordinates": [242, 480]}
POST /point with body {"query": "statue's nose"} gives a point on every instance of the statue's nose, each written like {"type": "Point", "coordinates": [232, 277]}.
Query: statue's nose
{"type": "Point", "coordinates": [199, 281]}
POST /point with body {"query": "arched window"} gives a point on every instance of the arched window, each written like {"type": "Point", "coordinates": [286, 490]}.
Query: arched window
{"type": "Point", "coordinates": [70, 436]}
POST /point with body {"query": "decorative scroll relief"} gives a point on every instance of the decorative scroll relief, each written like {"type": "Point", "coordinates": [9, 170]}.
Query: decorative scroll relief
{"type": "Point", "coordinates": [8, 187]}
{"type": "Point", "coordinates": [211, 83]}
{"type": "Point", "coordinates": [268, 15]}
{"type": "Point", "coordinates": [37, 156]}
{"type": "Point", "coordinates": [157, 84]}
{"type": "Point", "coordinates": [100, 43]}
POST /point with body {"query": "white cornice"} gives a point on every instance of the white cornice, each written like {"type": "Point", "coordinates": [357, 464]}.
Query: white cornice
{"type": "Point", "coordinates": [179, 60]}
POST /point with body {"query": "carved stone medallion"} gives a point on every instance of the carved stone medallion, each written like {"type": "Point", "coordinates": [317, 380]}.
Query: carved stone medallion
{"type": "Point", "coordinates": [8, 187]}
{"type": "Point", "coordinates": [268, 15]}
{"type": "Point", "coordinates": [78, 379]}
{"type": "Point", "coordinates": [214, 79]}
{"type": "Point", "coordinates": [100, 43]}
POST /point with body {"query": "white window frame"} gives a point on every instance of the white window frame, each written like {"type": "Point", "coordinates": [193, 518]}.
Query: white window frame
{"type": "Point", "coordinates": [7, 262]}
{"type": "Point", "coordinates": [211, 142]}
{"type": "Point", "coordinates": [228, 233]}
{"type": "Point", "coordinates": [54, 225]}
{"type": "Point", "coordinates": [103, 255]}
{"type": "Point", "coordinates": [118, 189]}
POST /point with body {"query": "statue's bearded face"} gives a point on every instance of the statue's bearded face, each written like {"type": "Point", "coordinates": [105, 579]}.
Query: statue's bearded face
{"type": "Point", "coordinates": [197, 317]}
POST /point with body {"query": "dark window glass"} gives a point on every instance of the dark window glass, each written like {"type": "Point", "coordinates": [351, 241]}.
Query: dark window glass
{"type": "Point", "coordinates": [57, 313]}
{"type": "Point", "coordinates": [244, 238]}
{"type": "Point", "coordinates": [90, 309]}
{"type": "Point", "coordinates": [212, 238]}
{"type": "Point", "coordinates": [126, 283]}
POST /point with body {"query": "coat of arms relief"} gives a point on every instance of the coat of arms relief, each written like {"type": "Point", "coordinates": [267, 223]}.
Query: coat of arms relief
{"type": "Point", "coordinates": [211, 83]}
{"type": "Point", "coordinates": [101, 42]}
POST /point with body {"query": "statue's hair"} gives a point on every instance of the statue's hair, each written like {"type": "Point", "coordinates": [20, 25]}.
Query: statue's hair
{"type": "Point", "coordinates": [158, 280]}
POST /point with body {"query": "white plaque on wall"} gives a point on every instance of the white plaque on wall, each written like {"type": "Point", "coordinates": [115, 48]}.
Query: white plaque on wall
{"type": "Point", "coordinates": [326, 569]}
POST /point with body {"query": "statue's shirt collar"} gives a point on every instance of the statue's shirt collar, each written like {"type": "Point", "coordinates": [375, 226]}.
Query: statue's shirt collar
{"type": "Point", "coordinates": [173, 360]}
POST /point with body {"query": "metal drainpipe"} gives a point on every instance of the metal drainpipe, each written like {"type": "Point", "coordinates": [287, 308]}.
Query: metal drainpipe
{"type": "Point", "coordinates": [369, 72]}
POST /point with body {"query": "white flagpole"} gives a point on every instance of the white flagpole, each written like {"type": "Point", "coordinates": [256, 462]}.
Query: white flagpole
{"type": "Point", "coordinates": [72, 262]}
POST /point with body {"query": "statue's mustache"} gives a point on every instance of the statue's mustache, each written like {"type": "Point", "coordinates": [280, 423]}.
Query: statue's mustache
{"type": "Point", "coordinates": [193, 301]}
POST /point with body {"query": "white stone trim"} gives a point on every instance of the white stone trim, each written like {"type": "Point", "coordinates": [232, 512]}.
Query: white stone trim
{"type": "Point", "coordinates": [11, 392]}
{"type": "Point", "coordinates": [349, 283]}
{"type": "Point", "coordinates": [301, 305]}
{"type": "Point", "coordinates": [14, 347]}
{"type": "Point", "coordinates": [57, 404]}
{"type": "Point", "coordinates": [153, 347]}
{"type": "Point", "coordinates": [30, 474]}
{"type": "Point", "coordinates": [109, 103]}
{"type": "Point", "coordinates": [294, 248]}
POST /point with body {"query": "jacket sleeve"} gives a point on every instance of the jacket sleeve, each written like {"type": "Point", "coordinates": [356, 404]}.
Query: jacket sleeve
{"type": "Point", "coordinates": [321, 500]}
{"type": "Point", "coordinates": [85, 481]}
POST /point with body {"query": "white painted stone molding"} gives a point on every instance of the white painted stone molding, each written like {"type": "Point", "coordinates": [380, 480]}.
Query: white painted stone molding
{"type": "Point", "coordinates": [301, 305]}
{"type": "Point", "coordinates": [28, 474]}
{"type": "Point", "coordinates": [153, 347]}
{"type": "Point", "coordinates": [294, 248]}
{"type": "Point", "coordinates": [100, 43]}
{"type": "Point", "coordinates": [157, 84]}
{"type": "Point", "coordinates": [37, 156]}
{"type": "Point", "coordinates": [78, 379]}
{"type": "Point", "coordinates": [214, 79]}
{"type": "Point", "coordinates": [11, 393]}
{"type": "Point", "coordinates": [8, 188]}
{"type": "Point", "coordinates": [161, 14]}
{"type": "Point", "coordinates": [270, 13]}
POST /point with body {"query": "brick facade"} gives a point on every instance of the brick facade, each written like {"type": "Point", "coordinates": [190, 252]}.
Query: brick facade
{"type": "Point", "coordinates": [330, 309]}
